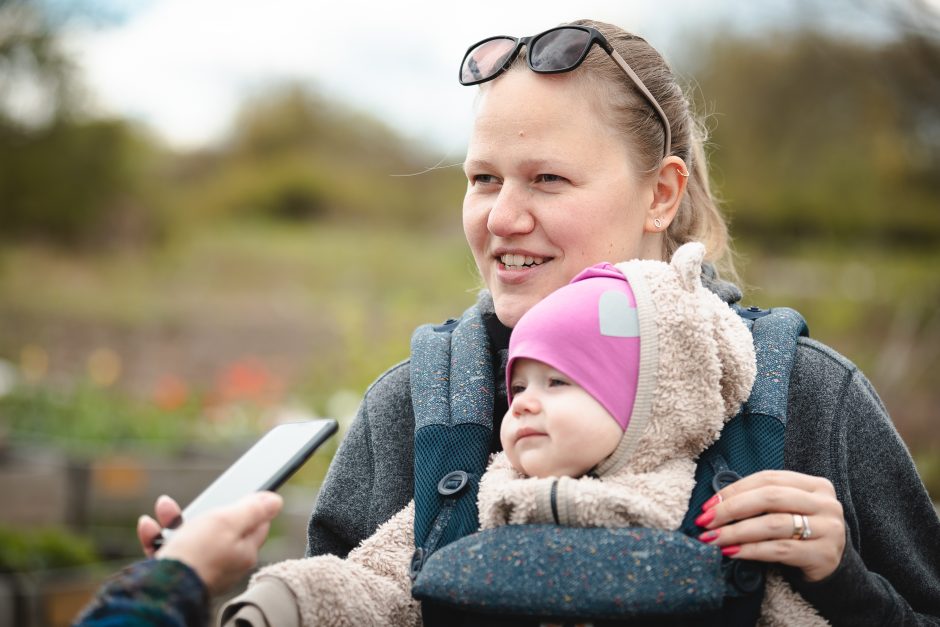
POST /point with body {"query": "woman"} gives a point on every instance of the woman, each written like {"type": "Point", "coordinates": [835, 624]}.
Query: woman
{"type": "Point", "coordinates": [580, 166]}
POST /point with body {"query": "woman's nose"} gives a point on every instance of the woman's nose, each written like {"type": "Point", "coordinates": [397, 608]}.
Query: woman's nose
{"type": "Point", "coordinates": [511, 213]}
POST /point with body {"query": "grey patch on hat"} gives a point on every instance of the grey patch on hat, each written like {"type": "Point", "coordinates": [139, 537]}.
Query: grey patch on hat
{"type": "Point", "coordinates": [617, 317]}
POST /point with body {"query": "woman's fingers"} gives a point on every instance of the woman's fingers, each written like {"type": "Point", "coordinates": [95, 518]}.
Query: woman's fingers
{"type": "Point", "coordinates": [781, 478]}
{"type": "Point", "coordinates": [766, 499]}
{"type": "Point", "coordinates": [816, 558]}
{"type": "Point", "coordinates": [773, 527]}
{"type": "Point", "coordinates": [778, 516]}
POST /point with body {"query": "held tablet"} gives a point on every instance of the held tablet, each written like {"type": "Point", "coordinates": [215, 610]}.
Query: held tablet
{"type": "Point", "coordinates": [265, 466]}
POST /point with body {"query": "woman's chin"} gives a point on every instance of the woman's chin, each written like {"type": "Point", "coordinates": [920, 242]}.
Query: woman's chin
{"type": "Point", "coordinates": [511, 307]}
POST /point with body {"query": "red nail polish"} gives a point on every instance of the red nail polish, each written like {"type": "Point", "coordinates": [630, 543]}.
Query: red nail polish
{"type": "Point", "coordinates": [705, 518]}
{"type": "Point", "coordinates": [728, 551]}
{"type": "Point", "coordinates": [709, 536]}
{"type": "Point", "coordinates": [712, 502]}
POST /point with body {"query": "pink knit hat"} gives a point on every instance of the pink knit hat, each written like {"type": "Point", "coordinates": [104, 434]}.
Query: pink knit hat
{"type": "Point", "coordinates": [590, 331]}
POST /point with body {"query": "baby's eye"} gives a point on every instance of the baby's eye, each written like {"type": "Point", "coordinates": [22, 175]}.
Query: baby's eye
{"type": "Point", "coordinates": [516, 388]}
{"type": "Point", "coordinates": [554, 382]}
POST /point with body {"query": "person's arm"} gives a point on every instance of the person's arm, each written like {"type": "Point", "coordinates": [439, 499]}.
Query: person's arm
{"type": "Point", "coordinates": [205, 556]}
{"type": "Point", "coordinates": [873, 556]}
{"type": "Point", "coordinates": [371, 476]}
{"type": "Point", "coordinates": [889, 573]}
{"type": "Point", "coordinates": [151, 592]}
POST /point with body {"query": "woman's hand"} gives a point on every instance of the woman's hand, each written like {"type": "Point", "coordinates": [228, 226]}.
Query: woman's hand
{"type": "Point", "coordinates": [778, 516]}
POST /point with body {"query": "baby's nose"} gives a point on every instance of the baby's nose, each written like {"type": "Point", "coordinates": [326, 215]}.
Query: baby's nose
{"type": "Point", "coordinates": [525, 402]}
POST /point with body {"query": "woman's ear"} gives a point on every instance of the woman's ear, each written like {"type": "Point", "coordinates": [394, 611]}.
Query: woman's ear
{"type": "Point", "coordinates": [669, 188]}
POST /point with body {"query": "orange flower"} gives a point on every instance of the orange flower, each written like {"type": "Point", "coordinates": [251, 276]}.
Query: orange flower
{"type": "Point", "coordinates": [170, 392]}
{"type": "Point", "coordinates": [247, 380]}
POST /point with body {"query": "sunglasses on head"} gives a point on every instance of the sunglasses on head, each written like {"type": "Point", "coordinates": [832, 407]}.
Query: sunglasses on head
{"type": "Point", "coordinates": [557, 50]}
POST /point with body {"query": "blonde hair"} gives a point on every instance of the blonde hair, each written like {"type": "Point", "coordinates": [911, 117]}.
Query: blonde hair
{"type": "Point", "coordinates": [698, 217]}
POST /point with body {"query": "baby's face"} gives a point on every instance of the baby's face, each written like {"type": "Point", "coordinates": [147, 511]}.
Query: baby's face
{"type": "Point", "coordinates": [554, 427]}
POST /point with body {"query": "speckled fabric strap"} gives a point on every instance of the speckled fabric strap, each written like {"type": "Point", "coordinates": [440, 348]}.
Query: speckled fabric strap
{"type": "Point", "coordinates": [753, 439]}
{"type": "Point", "coordinates": [452, 388]}
{"type": "Point", "coordinates": [775, 335]}
{"type": "Point", "coordinates": [552, 571]}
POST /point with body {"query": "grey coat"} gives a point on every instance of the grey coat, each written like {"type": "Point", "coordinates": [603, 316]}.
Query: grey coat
{"type": "Point", "coordinates": [837, 428]}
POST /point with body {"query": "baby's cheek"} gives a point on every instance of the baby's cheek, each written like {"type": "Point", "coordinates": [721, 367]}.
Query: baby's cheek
{"type": "Point", "coordinates": [505, 431]}
{"type": "Point", "coordinates": [511, 453]}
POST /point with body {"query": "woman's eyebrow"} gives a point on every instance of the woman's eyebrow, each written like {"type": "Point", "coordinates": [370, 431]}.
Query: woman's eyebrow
{"type": "Point", "coordinates": [527, 164]}
{"type": "Point", "coordinates": [477, 164]}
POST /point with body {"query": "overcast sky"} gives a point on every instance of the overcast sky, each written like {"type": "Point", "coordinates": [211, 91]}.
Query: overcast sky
{"type": "Point", "coordinates": [184, 66]}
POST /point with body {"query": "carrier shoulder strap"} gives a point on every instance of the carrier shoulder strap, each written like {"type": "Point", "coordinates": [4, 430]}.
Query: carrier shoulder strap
{"type": "Point", "coordinates": [452, 394]}
{"type": "Point", "coordinates": [751, 441]}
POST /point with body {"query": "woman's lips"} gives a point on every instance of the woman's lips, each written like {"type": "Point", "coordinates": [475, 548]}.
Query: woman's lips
{"type": "Point", "coordinates": [519, 274]}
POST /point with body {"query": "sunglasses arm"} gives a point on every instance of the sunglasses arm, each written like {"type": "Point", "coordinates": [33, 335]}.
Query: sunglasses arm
{"type": "Point", "coordinates": [649, 98]}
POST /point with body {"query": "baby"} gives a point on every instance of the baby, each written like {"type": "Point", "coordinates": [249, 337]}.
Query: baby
{"type": "Point", "coordinates": [616, 383]}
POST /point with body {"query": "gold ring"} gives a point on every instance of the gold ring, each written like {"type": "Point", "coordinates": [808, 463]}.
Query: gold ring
{"type": "Point", "coordinates": [798, 527]}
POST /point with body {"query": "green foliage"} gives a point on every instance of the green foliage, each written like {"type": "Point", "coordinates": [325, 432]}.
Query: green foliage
{"type": "Point", "coordinates": [77, 182]}
{"type": "Point", "coordinates": [928, 465]}
{"type": "Point", "coordinates": [297, 156]}
{"type": "Point", "coordinates": [29, 52]}
{"type": "Point", "coordinates": [63, 177]}
{"type": "Point", "coordinates": [30, 550]}
{"type": "Point", "coordinates": [814, 137]}
{"type": "Point", "coordinates": [822, 138]}
{"type": "Point", "coordinates": [336, 304]}
{"type": "Point", "coordinates": [91, 421]}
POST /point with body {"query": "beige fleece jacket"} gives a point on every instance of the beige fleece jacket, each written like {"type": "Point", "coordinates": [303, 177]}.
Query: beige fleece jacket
{"type": "Point", "coordinates": [371, 587]}
{"type": "Point", "coordinates": [705, 367]}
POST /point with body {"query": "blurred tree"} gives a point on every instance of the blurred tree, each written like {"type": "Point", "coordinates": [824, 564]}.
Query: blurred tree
{"type": "Point", "coordinates": [828, 137]}
{"type": "Point", "coordinates": [64, 177]}
{"type": "Point", "coordinates": [35, 84]}
{"type": "Point", "coordinates": [296, 155]}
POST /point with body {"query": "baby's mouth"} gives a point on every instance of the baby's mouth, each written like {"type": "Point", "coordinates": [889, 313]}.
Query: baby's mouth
{"type": "Point", "coordinates": [526, 432]}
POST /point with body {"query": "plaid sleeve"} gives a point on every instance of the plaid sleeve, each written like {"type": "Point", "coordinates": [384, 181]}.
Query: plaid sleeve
{"type": "Point", "coordinates": [153, 592]}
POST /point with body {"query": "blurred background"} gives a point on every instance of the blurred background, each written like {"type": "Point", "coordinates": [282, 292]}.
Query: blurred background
{"type": "Point", "coordinates": [218, 216]}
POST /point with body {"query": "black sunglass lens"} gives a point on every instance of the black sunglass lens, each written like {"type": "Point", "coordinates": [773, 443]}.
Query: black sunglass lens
{"type": "Point", "coordinates": [486, 60]}
{"type": "Point", "coordinates": [558, 50]}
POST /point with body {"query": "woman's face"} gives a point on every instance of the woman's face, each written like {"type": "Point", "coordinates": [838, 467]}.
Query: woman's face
{"type": "Point", "coordinates": [551, 190]}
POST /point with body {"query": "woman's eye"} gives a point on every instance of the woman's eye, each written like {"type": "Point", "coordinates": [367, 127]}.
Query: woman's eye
{"type": "Point", "coordinates": [483, 179]}
{"type": "Point", "coordinates": [549, 178]}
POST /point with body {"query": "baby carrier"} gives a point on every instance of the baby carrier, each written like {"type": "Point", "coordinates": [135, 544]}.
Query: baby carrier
{"type": "Point", "coordinates": [547, 574]}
